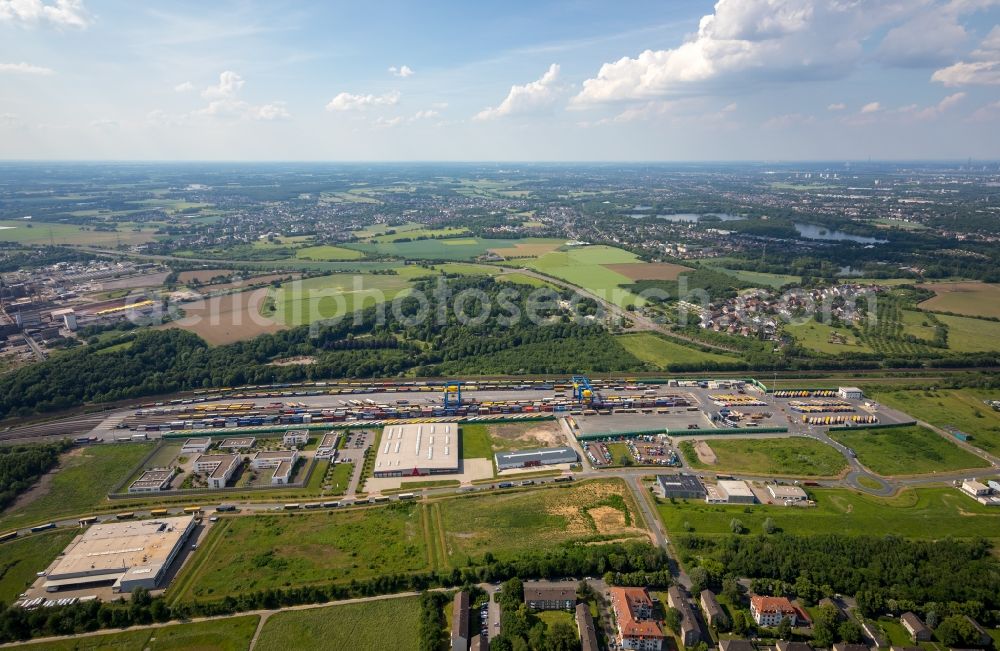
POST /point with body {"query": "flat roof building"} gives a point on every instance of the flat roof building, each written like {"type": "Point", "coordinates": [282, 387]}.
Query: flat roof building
{"type": "Point", "coordinates": [196, 446]}
{"type": "Point", "coordinates": [328, 445]}
{"type": "Point", "coordinates": [850, 393]}
{"type": "Point", "coordinates": [786, 493]}
{"type": "Point", "coordinates": [241, 443]}
{"type": "Point", "coordinates": [680, 486]}
{"type": "Point", "coordinates": [272, 458]}
{"type": "Point", "coordinates": [218, 468]}
{"type": "Point", "coordinates": [729, 491]}
{"type": "Point", "coordinates": [282, 473]}
{"type": "Point", "coordinates": [416, 449]}
{"type": "Point", "coordinates": [295, 437]}
{"type": "Point", "coordinates": [535, 457]}
{"type": "Point", "coordinates": [126, 554]}
{"type": "Point", "coordinates": [152, 481]}
{"type": "Point", "coordinates": [975, 488]}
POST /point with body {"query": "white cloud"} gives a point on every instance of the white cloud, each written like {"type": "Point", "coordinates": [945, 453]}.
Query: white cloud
{"type": "Point", "coordinates": [745, 43]}
{"type": "Point", "coordinates": [184, 87]}
{"type": "Point", "coordinates": [931, 37]}
{"type": "Point", "coordinates": [932, 112]}
{"type": "Point", "coordinates": [273, 111]}
{"type": "Point", "coordinates": [838, 106]}
{"type": "Point", "coordinates": [788, 120]}
{"type": "Point", "coordinates": [61, 13]}
{"type": "Point", "coordinates": [528, 97]}
{"type": "Point", "coordinates": [25, 69]}
{"type": "Point", "coordinates": [871, 107]}
{"type": "Point", "coordinates": [987, 113]}
{"type": "Point", "coordinates": [425, 115]}
{"type": "Point", "coordinates": [351, 102]}
{"type": "Point", "coordinates": [984, 70]}
{"type": "Point", "coordinates": [230, 84]}
{"type": "Point", "coordinates": [401, 71]}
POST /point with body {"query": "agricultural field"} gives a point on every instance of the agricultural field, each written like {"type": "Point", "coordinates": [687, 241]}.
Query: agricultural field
{"type": "Point", "coordinates": [227, 318]}
{"type": "Point", "coordinates": [959, 408]}
{"type": "Point", "coordinates": [522, 279]}
{"type": "Point", "coordinates": [328, 253]}
{"type": "Point", "coordinates": [922, 513]}
{"type": "Point", "coordinates": [648, 270]}
{"type": "Point", "coordinates": [455, 248]}
{"type": "Point", "coordinates": [27, 232]}
{"type": "Point", "coordinates": [326, 297]}
{"type": "Point", "coordinates": [468, 269]}
{"type": "Point", "coordinates": [83, 479]}
{"type": "Point", "coordinates": [373, 230]}
{"type": "Point", "coordinates": [588, 267]}
{"type": "Point", "coordinates": [370, 626]}
{"type": "Point", "coordinates": [970, 298]}
{"type": "Point", "coordinates": [202, 275]}
{"type": "Point", "coordinates": [755, 278]}
{"type": "Point", "coordinates": [415, 233]}
{"type": "Point", "coordinates": [660, 353]}
{"type": "Point", "coordinates": [907, 451]}
{"type": "Point", "coordinates": [507, 524]}
{"type": "Point", "coordinates": [271, 551]}
{"type": "Point", "coordinates": [228, 634]}
{"type": "Point", "coordinates": [528, 248]}
{"type": "Point", "coordinates": [21, 558]}
{"type": "Point", "coordinates": [798, 456]}
{"type": "Point", "coordinates": [969, 335]}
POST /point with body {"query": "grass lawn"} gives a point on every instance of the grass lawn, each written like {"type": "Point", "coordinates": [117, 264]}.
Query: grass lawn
{"type": "Point", "coordinates": [273, 551]}
{"type": "Point", "coordinates": [325, 297]}
{"type": "Point", "coordinates": [973, 298]}
{"type": "Point", "coordinates": [551, 617]}
{"type": "Point", "coordinates": [231, 634]}
{"type": "Point", "coordinates": [420, 232]}
{"type": "Point", "coordinates": [907, 450]}
{"type": "Point", "coordinates": [661, 353]}
{"type": "Point", "coordinates": [455, 248]}
{"type": "Point", "coordinates": [328, 253]}
{"type": "Point", "coordinates": [798, 456]}
{"type": "Point", "coordinates": [522, 279]}
{"type": "Point", "coordinates": [21, 558]}
{"type": "Point", "coordinates": [84, 479]}
{"type": "Point", "coordinates": [968, 335]}
{"type": "Point", "coordinates": [476, 442]}
{"type": "Point", "coordinates": [816, 336]}
{"type": "Point", "coordinates": [36, 232]}
{"type": "Point", "coordinates": [584, 266]}
{"type": "Point", "coordinates": [924, 513]}
{"type": "Point", "coordinates": [508, 524]}
{"type": "Point", "coordinates": [339, 478]}
{"type": "Point", "coordinates": [369, 626]}
{"type": "Point", "coordinates": [961, 408]}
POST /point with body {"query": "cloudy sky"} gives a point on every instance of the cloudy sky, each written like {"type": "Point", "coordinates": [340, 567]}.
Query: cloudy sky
{"type": "Point", "coordinates": [513, 80]}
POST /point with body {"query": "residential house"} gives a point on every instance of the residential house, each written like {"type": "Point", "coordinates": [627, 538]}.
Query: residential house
{"type": "Point", "coordinates": [633, 610]}
{"type": "Point", "coordinates": [550, 595]}
{"type": "Point", "coordinates": [916, 628]}
{"type": "Point", "coordinates": [585, 625]}
{"type": "Point", "coordinates": [714, 614]}
{"type": "Point", "coordinates": [690, 631]}
{"type": "Point", "coordinates": [460, 622]}
{"type": "Point", "coordinates": [769, 611]}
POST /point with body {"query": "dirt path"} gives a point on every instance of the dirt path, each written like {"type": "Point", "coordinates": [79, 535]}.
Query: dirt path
{"type": "Point", "coordinates": [41, 487]}
{"type": "Point", "coordinates": [705, 453]}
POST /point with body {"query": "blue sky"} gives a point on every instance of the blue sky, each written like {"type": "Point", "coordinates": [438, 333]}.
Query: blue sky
{"type": "Point", "coordinates": [433, 80]}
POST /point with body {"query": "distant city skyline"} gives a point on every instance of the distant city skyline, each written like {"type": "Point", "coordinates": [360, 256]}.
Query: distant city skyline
{"type": "Point", "coordinates": [683, 80]}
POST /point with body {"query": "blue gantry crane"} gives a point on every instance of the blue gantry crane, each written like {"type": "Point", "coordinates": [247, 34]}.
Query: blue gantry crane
{"type": "Point", "coordinates": [452, 395]}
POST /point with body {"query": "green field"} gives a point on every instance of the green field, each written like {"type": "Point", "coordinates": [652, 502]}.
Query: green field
{"type": "Point", "coordinates": [456, 248]}
{"type": "Point", "coordinates": [906, 451]}
{"type": "Point", "coordinates": [420, 232]}
{"type": "Point", "coordinates": [522, 279]}
{"type": "Point", "coordinates": [925, 513]}
{"type": "Point", "coordinates": [660, 353]}
{"type": "Point", "coordinates": [468, 269]}
{"type": "Point", "coordinates": [85, 478]}
{"type": "Point", "coordinates": [583, 266]}
{"type": "Point", "coordinates": [325, 297]}
{"type": "Point", "coordinates": [476, 442]}
{"type": "Point", "coordinates": [799, 456]}
{"type": "Point", "coordinates": [328, 253]}
{"type": "Point", "coordinates": [370, 626]}
{"type": "Point", "coordinates": [816, 336]}
{"type": "Point", "coordinates": [969, 335]}
{"type": "Point", "coordinates": [960, 408]}
{"type": "Point", "coordinates": [755, 278]}
{"type": "Point", "coordinates": [35, 232]}
{"type": "Point", "coordinates": [508, 524]}
{"type": "Point", "coordinates": [338, 479]}
{"type": "Point", "coordinates": [972, 298]}
{"type": "Point", "coordinates": [229, 634]}
{"type": "Point", "coordinates": [21, 558]}
{"type": "Point", "coordinates": [273, 551]}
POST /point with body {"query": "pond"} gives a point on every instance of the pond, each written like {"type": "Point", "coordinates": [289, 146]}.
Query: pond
{"type": "Point", "coordinates": [814, 232]}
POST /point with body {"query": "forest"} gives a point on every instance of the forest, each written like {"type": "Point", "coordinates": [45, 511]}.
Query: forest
{"type": "Point", "coordinates": [21, 466]}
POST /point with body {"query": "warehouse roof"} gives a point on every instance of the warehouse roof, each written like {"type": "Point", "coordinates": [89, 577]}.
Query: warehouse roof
{"type": "Point", "coordinates": [418, 445]}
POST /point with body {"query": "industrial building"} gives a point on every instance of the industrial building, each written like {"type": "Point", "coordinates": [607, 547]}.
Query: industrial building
{"type": "Point", "coordinates": [152, 481]}
{"type": "Point", "coordinates": [681, 486]}
{"type": "Point", "coordinates": [416, 449]}
{"type": "Point", "coordinates": [728, 491]}
{"type": "Point", "coordinates": [127, 555]}
{"type": "Point", "coordinates": [535, 457]}
{"type": "Point", "coordinates": [327, 447]}
{"type": "Point", "coordinates": [786, 493]}
{"type": "Point", "coordinates": [850, 393]}
{"type": "Point", "coordinates": [219, 468]}
{"type": "Point", "coordinates": [196, 446]}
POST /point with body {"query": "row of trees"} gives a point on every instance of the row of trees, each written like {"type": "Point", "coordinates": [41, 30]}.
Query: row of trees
{"type": "Point", "coordinates": [21, 466]}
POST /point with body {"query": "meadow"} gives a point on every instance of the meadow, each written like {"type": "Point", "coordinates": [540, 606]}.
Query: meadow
{"type": "Point", "coordinates": [755, 278]}
{"type": "Point", "coordinates": [455, 248]}
{"type": "Point", "coordinates": [971, 298]}
{"type": "Point", "coordinates": [907, 451]}
{"type": "Point", "coordinates": [325, 297]}
{"type": "Point", "coordinates": [969, 335]}
{"type": "Point", "coordinates": [960, 408]}
{"type": "Point", "coordinates": [21, 558]}
{"type": "Point", "coordinates": [278, 550]}
{"type": "Point", "coordinates": [229, 634]}
{"type": "Point", "coordinates": [85, 477]}
{"type": "Point", "coordinates": [816, 336]}
{"type": "Point", "coordinates": [662, 353]}
{"type": "Point", "coordinates": [327, 253]}
{"type": "Point", "coordinates": [411, 234]}
{"type": "Point", "coordinates": [923, 513]}
{"type": "Point", "coordinates": [798, 456]}
{"type": "Point", "coordinates": [507, 524]}
{"type": "Point", "coordinates": [371, 626]}
{"type": "Point", "coordinates": [33, 232]}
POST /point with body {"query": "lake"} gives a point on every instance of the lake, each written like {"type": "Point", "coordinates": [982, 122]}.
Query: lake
{"type": "Point", "coordinates": [690, 217]}
{"type": "Point", "coordinates": [814, 232]}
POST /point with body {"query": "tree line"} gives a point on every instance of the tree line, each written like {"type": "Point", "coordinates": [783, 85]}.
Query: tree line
{"type": "Point", "coordinates": [22, 465]}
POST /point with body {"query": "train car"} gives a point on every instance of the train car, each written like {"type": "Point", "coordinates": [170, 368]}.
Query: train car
{"type": "Point", "coordinates": [43, 527]}
{"type": "Point", "coordinates": [88, 520]}
{"type": "Point", "coordinates": [158, 512]}
{"type": "Point", "coordinates": [192, 509]}
{"type": "Point", "coordinates": [10, 535]}
{"type": "Point", "coordinates": [127, 515]}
